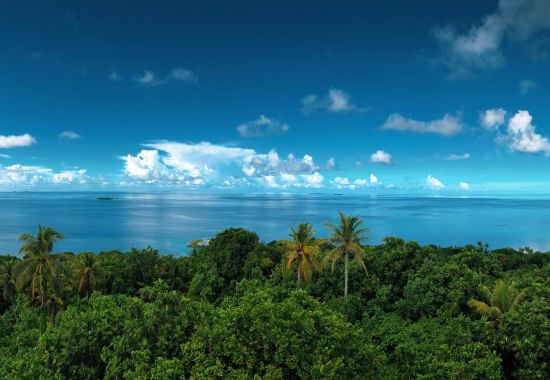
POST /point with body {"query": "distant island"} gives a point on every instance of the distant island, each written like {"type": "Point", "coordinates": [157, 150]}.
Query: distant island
{"type": "Point", "coordinates": [105, 198]}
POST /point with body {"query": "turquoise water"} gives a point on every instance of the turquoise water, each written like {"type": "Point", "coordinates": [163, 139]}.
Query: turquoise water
{"type": "Point", "coordinates": [169, 221]}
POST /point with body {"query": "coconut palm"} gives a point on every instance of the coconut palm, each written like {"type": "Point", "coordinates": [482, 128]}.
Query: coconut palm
{"type": "Point", "coordinates": [347, 237]}
{"type": "Point", "coordinates": [8, 279]}
{"type": "Point", "coordinates": [86, 270]}
{"type": "Point", "coordinates": [38, 271]}
{"type": "Point", "coordinates": [503, 297]}
{"type": "Point", "coordinates": [302, 252]}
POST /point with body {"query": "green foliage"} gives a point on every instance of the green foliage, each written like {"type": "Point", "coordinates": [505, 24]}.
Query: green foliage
{"type": "Point", "coordinates": [227, 311]}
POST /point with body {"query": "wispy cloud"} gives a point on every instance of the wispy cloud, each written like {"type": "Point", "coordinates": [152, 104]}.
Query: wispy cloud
{"type": "Point", "coordinates": [448, 125]}
{"type": "Point", "coordinates": [518, 21]}
{"type": "Point", "coordinates": [69, 135]}
{"type": "Point", "coordinates": [149, 78]}
{"type": "Point", "coordinates": [458, 157]}
{"type": "Point", "coordinates": [263, 126]}
{"type": "Point", "coordinates": [115, 76]}
{"type": "Point", "coordinates": [13, 141]}
{"type": "Point", "coordinates": [526, 86]}
{"type": "Point", "coordinates": [335, 101]}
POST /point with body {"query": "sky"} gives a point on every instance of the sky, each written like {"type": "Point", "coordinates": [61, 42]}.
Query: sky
{"type": "Point", "coordinates": [377, 97]}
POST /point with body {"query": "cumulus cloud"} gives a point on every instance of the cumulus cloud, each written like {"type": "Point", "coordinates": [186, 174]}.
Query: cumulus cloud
{"type": "Point", "coordinates": [522, 137]}
{"type": "Point", "coordinates": [526, 85]}
{"type": "Point", "coordinates": [69, 135]}
{"type": "Point", "coordinates": [12, 141]}
{"type": "Point", "coordinates": [519, 21]}
{"type": "Point", "coordinates": [520, 134]}
{"type": "Point", "coordinates": [263, 126]}
{"type": "Point", "coordinates": [70, 176]}
{"type": "Point", "coordinates": [346, 183]}
{"type": "Point", "coordinates": [458, 157]}
{"type": "Point", "coordinates": [18, 175]}
{"type": "Point", "coordinates": [434, 183]}
{"type": "Point", "coordinates": [448, 125]}
{"type": "Point", "coordinates": [335, 101]}
{"type": "Point", "coordinates": [493, 118]}
{"type": "Point", "coordinates": [166, 162]}
{"type": "Point", "coordinates": [272, 164]}
{"type": "Point", "coordinates": [464, 185]}
{"type": "Point", "coordinates": [381, 157]}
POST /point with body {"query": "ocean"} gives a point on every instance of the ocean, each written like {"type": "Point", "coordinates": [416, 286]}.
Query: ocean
{"type": "Point", "coordinates": [169, 221]}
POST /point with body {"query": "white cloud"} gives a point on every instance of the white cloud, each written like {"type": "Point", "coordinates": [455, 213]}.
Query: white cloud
{"type": "Point", "coordinates": [70, 135]}
{"type": "Point", "coordinates": [70, 176]}
{"type": "Point", "coordinates": [434, 183]}
{"type": "Point", "coordinates": [381, 157]}
{"type": "Point", "coordinates": [526, 85]}
{"type": "Point", "coordinates": [166, 162]}
{"type": "Point", "coordinates": [464, 185]}
{"type": "Point", "coordinates": [27, 175]}
{"type": "Point", "coordinates": [331, 164]}
{"type": "Point", "coordinates": [458, 157]}
{"type": "Point", "coordinates": [12, 141]}
{"type": "Point", "coordinates": [493, 118]}
{"type": "Point", "coordinates": [373, 180]}
{"type": "Point", "coordinates": [263, 126]}
{"type": "Point", "coordinates": [335, 101]}
{"type": "Point", "coordinates": [149, 78]}
{"type": "Point", "coordinates": [346, 183]}
{"type": "Point", "coordinates": [272, 164]}
{"type": "Point", "coordinates": [448, 125]}
{"type": "Point", "coordinates": [519, 21]}
{"type": "Point", "coordinates": [520, 134]}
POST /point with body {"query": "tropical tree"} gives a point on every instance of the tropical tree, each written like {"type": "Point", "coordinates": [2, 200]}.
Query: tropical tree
{"type": "Point", "coordinates": [8, 279]}
{"type": "Point", "coordinates": [302, 252]}
{"type": "Point", "coordinates": [86, 270]}
{"type": "Point", "coordinates": [38, 272]}
{"type": "Point", "coordinates": [347, 237]}
{"type": "Point", "coordinates": [502, 298]}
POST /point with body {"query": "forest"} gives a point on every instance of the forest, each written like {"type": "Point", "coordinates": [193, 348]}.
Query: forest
{"type": "Point", "coordinates": [304, 307]}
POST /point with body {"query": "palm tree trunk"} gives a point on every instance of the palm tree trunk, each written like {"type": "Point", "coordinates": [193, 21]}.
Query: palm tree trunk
{"type": "Point", "coordinates": [299, 280]}
{"type": "Point", "coordinates": [346, 284]}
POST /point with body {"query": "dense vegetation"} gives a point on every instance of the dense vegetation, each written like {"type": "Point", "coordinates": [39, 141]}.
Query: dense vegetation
{"type": "Point", "coordinates": [306, 308]}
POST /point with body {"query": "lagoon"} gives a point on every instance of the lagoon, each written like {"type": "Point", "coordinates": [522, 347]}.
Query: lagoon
{"type": "Point", "coordinates": [169, 221]}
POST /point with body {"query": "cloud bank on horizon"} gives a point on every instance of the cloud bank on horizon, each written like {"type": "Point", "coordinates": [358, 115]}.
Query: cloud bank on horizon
{"type": "Point", "coordinates": [303, 108]}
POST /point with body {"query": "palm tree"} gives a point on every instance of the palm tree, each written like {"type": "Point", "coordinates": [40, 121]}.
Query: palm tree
{"type": "Point", "coordinates": [38, 271]}
{"type": "Point", "coordinates": [8, 279]}
{"type": "Point", "coordinates": [302, 252]}
{"type": "Point", "coordinates": [347, 236]}
{"type": "Point", "coordinates": [86, 270]}
{"type": "Point", "coordinates": [502, 298]}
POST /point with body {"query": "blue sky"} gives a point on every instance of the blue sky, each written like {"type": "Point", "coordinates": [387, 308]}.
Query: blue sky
{"type": "Point", "coordinates": [359, 96]}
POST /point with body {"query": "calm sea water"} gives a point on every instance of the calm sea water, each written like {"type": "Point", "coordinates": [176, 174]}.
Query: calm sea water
{"type": "Point", "coordinates": [169, 221]}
